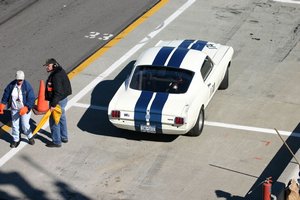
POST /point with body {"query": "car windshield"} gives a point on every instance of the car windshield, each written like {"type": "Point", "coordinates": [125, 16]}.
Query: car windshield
{"type": "Point", "coordinates": [161, 79]}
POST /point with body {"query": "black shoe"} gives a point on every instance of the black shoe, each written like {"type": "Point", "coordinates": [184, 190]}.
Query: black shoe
{"type": "Point", "coordinates": [64, 140]}
{"type": "Point", "coordinates": [31, 141]}
{"type": "Point", "coordinates": [51, 144]}
{"type": "Point", "coordinates": [14, 144]}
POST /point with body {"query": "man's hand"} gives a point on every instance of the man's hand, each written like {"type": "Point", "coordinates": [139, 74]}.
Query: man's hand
{"type": "Point", "coordinates": [2, 106]}
{"type": "Point", "coordinates": [23, 110]}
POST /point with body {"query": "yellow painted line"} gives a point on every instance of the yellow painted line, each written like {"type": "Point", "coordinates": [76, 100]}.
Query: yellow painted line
{"type": "Point", "coordinates": [117, 38]}
{"type": "Point", "coordinates": [5, 128]}
{"type": "Point", "coordinates": [111, 43]}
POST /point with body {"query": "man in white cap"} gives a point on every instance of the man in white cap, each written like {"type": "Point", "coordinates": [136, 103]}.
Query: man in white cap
{"type": "Point", "coordinates": [19, 96]}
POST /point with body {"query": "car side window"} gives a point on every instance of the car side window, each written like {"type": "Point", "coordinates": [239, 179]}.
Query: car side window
{"type": "Point", "coordinates": [206, 67]}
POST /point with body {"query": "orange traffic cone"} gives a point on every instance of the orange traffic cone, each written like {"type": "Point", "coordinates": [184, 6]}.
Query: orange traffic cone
{"type": "Point", "coordinates": [42, 105]}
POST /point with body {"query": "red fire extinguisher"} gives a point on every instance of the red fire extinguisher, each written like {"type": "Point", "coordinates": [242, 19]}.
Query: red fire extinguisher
{"type": "Point", "coordinates": [267, 189]}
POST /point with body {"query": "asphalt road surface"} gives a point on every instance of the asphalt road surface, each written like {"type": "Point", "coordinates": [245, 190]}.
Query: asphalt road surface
{"type": "Point", "coordinates": [238, 148]}
{"type": "Point", "coordinates": [33, 30]}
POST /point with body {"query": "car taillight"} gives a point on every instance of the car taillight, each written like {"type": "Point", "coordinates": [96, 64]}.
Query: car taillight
{"type": "Point", "coordinates": [115, 113]}
{"type": "Point", "coordinates": [178, 121]}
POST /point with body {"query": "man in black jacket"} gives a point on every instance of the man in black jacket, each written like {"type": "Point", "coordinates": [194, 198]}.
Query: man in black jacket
{"type": "Point", "coordinates": [58, 88]}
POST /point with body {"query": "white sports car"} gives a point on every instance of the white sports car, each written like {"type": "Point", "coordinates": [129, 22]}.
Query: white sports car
{"type": "Point", "coordinates": [170, 86]}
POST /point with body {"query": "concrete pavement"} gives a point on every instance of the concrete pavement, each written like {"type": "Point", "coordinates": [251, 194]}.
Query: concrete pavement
{"type": "Point", "coordinates": [102, 162]}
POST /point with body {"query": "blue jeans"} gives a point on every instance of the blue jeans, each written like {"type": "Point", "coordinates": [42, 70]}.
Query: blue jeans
{"type": "Point", "coordinates": [59, 131]}
{"type": "Point", "coordinates": [15, 116]}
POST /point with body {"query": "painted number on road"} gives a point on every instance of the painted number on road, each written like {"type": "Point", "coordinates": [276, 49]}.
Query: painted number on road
{"type": "Point", "coordinates": [99, 36]}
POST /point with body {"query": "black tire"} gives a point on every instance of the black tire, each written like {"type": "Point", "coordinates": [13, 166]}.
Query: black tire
{"type": "Point", "coordinates": [197, 129]}
{"type": "Point", "coordinates": [225, 82]}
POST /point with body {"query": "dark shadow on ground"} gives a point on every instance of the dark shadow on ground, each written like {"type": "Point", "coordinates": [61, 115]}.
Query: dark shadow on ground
{"type": "Point", "coordinates": [276, 167]}
{"type": "Point", "coordinates": [227, 196]}
{"type": "Point", "coordinates": [95, 121]}
{"type": "Point", "coordinates": [5, 119]}
{"type": "Point", "coordinates": [69, 193]}
{"type": "Point", "coordinates": [14, 179]}
{"type": "Point", "coordinates": [17, 181]}
{"type": "Point", "coordinates": [43, 136]}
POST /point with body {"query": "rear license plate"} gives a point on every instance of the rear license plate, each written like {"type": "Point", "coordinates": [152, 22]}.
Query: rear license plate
{"type": "Point", "coordinates": [148, 129]}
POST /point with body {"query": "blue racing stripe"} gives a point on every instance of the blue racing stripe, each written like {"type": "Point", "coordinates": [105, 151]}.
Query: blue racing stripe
{"type": "Point", "coordinates": [186, 43]}
{"type": "Point", "coordinates": [199, 45]}
{"type": "Point", "coordinates": [141, 108]}
{"type": "Point", "coordinates": [156, 110]}
{"type": "Point", "coordinates": [162, 56]}
{"type": "Point", "coordinates": [177, 57]}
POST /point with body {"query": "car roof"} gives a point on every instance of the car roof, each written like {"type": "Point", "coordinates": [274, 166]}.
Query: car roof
{"type": "Point", "coordinates": [168, 56]}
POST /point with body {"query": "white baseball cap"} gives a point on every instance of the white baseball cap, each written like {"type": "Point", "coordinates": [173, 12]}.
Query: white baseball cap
{"type": "Point", "coordinates": [20, 75]}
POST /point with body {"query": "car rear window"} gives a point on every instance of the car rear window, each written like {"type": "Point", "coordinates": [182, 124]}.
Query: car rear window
{"type": "Point", "coordinates": [161, 79]}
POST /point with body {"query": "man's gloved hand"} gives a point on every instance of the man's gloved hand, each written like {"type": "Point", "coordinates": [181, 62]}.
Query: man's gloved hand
{"type": "Point", "coordinates": [2, 106]}
{"type": "Point", "coordinates": [23, 110]}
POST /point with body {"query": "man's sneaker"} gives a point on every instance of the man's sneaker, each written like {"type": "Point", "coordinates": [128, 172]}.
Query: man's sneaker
{"type": "Point", "coordinates": [14, 144]}
{"type": "Point", "coordinates": [51, 144]}
{"type": "Point", "coordinates": [31, 141]}
{"type": "Point", "coordinates": [64, 140]}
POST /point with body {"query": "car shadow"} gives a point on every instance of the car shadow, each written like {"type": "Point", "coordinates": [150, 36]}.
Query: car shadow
{"type": "Point", "coordinates": [95, 119]}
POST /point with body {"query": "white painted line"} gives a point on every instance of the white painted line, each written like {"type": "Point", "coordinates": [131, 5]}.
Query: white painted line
{"type": "Point", "coordinates": [288, 1]}
{"type": "Point", "coordinates": [11, 153]}
{"type": "Point", "coordinates": [215, 124]}
{"type": "Point", "coordinates": [102, 108]}
{"type": "Point", "coordinates": [251, 128]}
{"type": "Point", "coordinates": [106, 73]}
{"type": "Point", "coordinates": [293, 174]}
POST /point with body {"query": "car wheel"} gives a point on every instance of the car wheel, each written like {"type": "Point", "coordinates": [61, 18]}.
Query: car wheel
{"type": "Point", "coordinates": [225, 82]}
{"type": "Point", "coordinates": [197, 129]}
